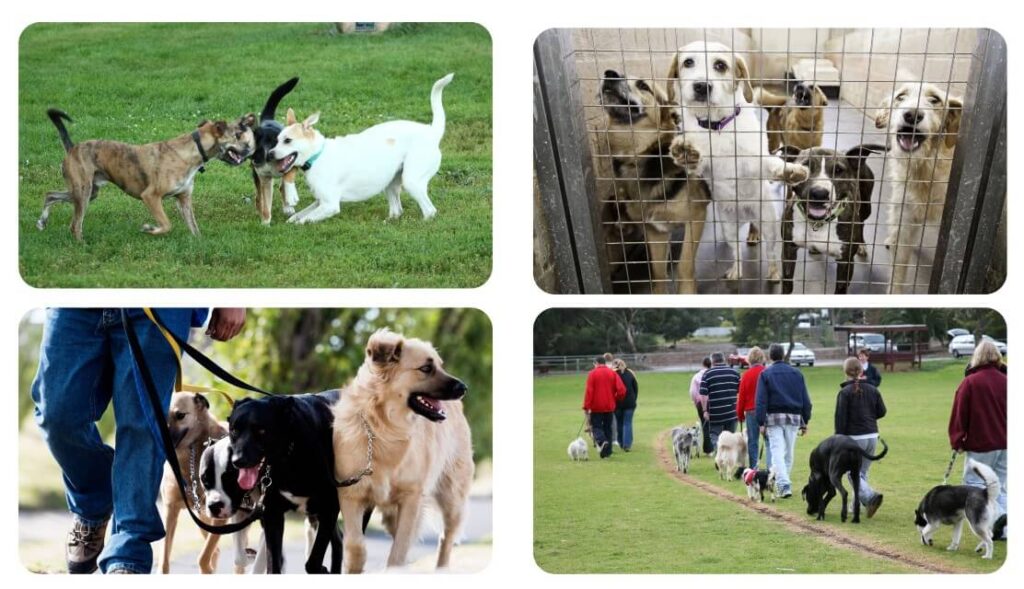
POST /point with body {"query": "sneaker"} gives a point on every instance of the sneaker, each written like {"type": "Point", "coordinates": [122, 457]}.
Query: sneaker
{"type": "Point", "coordinates": [874, 504]}
{"type": "Point", "coordinates": [606, 450]}
{"type": "Point", "coordinates": [785, 493]}
{"type": "Point", "coordinates": [85, 543]}
{"type": "Point", "coordinates": [999, 528]}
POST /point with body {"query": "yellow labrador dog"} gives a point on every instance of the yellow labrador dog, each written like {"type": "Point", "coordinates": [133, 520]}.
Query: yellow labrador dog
{"type": "Point", "coordinates": [401, 439]}
{"type": "Point", "coordinates": [922, 122]}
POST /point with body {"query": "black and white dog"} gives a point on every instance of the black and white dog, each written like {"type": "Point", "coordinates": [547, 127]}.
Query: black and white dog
{"type": "Point", "coordinates": [290, 439]}
{"type": "Point", "coordinates": [758, 481]}
{"type": "Point", "coordinates": [835, 457]}
{"type": "Point", "coordinates": [825, 213]}
{"type": "Point", "coordinates": [264, 167]}
{"type": "Point", "coordinates": [949, 504]}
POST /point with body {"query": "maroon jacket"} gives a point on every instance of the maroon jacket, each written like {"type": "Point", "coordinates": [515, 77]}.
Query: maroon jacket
{"type": "Point", "coordinates": [978, 421]}
{"type": "Point", "coordinates": [604, 389]}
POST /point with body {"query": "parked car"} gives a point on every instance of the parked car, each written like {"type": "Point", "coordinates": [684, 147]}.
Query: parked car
{"type": "Point", "coordinates": [963, 345]}
{"type": "Point", "coordinates": [738, 359]}
{"type": "Point", "coordinates": [872, 341]}
{"type": "Point", "coordinates": [801, 354]}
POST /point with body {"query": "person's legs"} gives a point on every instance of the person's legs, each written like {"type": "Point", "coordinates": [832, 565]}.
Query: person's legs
{"type": "Point", "coordinates": [705, 430]}
{"type": "Point", "coordinates": [138, 461]}
{"type": "Point", "coordinates": [627, 429]}
{"type": "Point", "coordinates": [752, 435]}
{"type": "Point", "coordinates": [867, 494]}
{"type": "Point", "coordinates": [789, 437]}
{"type": "Point", "coordinates": [996, 460]}
{"type": "Point", "coordinates": [619, 427]}
{"type": "Point", "coordinates": [716, 430]}
{"type": "Point", "coordinates": [779, 451]}
{"type": "Point", "coordinates": [602, 425]}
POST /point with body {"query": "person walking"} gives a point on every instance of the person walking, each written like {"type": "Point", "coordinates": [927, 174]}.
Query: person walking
{"type": "Point", "coordinates": [603, 391]}
{"type": "Point", "coordinates": [86, 365]}
{"type": "Point", "coordinates": [719, 388]}
{"type": "Point", "coordinates": [859, 406]}
{"type": "Point", "coordinates": [977, 424]}
{"type": "Point", "coordinates": [871, 374]}
{"type": "Point", "coordinates": [783, 410]}
{"type": "Point", "coordinates": [698, 403]}
{"type": "Point", "coordinates": [625, 408]}
{"type": "Point", "coordinates": [746, 402]}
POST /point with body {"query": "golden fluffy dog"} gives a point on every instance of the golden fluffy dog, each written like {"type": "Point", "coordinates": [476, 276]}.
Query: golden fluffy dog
{"type": "Point", "coordinates": [655, 193]}
{"type": "Point", "coordinates": [922, 122]}
{"type": "Point", "coordinates": [797, 120]}
{"type": "Point", "coordinates": [400, 438]}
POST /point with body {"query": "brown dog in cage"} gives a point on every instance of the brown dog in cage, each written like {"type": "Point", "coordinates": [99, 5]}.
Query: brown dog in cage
{"type": "Point", "coordinates": [653, 195]}
{"type": "Point", "coordinates": [825, 214]}
{"type": "Point", "coordinates": [722, 140]}
{"type": "Point", "coordinates": [922, 122]}
{"type": "Point", "coordinates": [797, 120]}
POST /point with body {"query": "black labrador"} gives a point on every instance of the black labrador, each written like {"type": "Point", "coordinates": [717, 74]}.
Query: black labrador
{"type": "Point", "coordinates": [289, 438]}
{"type": "Point", "coordinates": [834, 457]}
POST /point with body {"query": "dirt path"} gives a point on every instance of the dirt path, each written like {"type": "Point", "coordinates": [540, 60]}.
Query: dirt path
{"type": "Point", "coordinates": [798, 524]}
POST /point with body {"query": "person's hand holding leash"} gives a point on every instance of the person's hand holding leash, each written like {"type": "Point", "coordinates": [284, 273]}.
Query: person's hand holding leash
{"type": "Point", "coordinates": [225, 323]}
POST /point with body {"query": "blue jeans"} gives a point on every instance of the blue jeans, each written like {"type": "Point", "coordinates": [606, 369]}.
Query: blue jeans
{"type": "Point", "coordinates": [781, 442]}
{"type": "Point", "coordinates": [753, 437]}
{"type": "Point", "coordinates": [996, 460]}
{"type": "Point", "coordinates": [84, 364]}
{"type": "Point", "coordinates": [624, 424]}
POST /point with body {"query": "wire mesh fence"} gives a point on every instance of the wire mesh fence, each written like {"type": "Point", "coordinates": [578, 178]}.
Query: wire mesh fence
{"type": "Point", "coordinates": [772, 160]}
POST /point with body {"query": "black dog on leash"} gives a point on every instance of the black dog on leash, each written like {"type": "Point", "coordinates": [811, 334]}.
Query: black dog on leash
{"type": "Point", "coordinates": [834, 457]}
{"type": "Point", "coordinates": [290, 439]}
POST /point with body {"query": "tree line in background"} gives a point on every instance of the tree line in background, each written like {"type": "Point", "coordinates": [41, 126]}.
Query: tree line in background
{"type": "Point", "coordinates": [310, 350]}
{"type": "Point", "coordinates": [570, 332]}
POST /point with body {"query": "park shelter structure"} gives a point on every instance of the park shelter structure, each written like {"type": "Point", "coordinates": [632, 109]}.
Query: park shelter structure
{"type": "Point", "coordinates": [915, 337]}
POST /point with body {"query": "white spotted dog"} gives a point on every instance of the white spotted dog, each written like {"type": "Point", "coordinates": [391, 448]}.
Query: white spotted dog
{"type": "Point", "coordinates": [353, 168]}
{"type": "Point", "coordinates": [723, 141]}
{"type": "Point", "coordinates": [922, 122]}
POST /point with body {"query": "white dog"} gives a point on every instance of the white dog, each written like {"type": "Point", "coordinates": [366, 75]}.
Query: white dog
{"type": "Point", "coordinates": [922, 122]}
{"type": "Point", "coordinates": [578, 450]}
{"type": "Point", "coordinates": [730, 454]}
{"type": "Point", "coordinates": [384, 158]}
{"type": "Point", "coordinates": [723, 141]}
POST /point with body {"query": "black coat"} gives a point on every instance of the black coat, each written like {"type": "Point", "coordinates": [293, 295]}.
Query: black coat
{"type": "Point", "coordinates": [632, 390]}
{"type": "Point", "coordinates": [859, 406]}
{"type": "Point", "coordinates": [872, 376]}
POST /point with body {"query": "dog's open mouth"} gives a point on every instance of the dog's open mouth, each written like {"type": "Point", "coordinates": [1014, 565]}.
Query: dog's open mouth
{"type": "Point", "coordinates": [427, 407]}
{"type": "Point", "coordinates": [909, 138]}
{"type": "Point", "coordinates": [249, 476]}
{"type": "Point", "coordinates": [286, 164]}
{"type": "Point", "coordinates": [233, 157]}
{"type": "Point", "coordinates": [816, 211]}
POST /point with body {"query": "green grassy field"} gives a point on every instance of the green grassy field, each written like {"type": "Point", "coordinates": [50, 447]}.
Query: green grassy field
{"type": "Point", "coordinates": [150, 82]}
{"type": "Point", "coordinates": [627, 514]}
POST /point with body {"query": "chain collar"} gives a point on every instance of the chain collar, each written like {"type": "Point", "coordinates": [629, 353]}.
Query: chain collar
{"type": "Point", "coordinates": [194, 476]}
{"type": "Point", "coordinates": [368, 470]}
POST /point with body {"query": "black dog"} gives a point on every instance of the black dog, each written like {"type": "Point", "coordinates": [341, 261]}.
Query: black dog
{"type": "Point", "coordinates": [290, 440]}
{"type": "Point", "coordinates": [264, 169]}
{"type": "Point", "coordinates": [834, 457]}
{"type": "Point", "coordinates": [826, 213]}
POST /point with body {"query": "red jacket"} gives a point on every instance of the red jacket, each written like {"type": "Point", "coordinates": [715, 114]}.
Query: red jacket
{"type": "Point", "coordinates": [604, 390]}
{"type": "Point", "coordinates": [978, 421]}
{"type": "Point", "coordinates": [746, 400]}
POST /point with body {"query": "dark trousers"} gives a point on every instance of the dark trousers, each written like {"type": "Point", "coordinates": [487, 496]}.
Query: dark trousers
{"type": "Point", "coordinates": [601, 425]}
{"type": "Point", "coordinates": [705, 429]}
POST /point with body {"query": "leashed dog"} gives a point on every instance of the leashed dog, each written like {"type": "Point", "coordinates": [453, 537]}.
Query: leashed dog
{"type": "Point", "coordinates": [289, 437]}
{"type": "Point", "coordinates": [757, 481]}
{"type": "Point", "coordinates": [952, 505]}
{"type": "Point", "coordinates": [653, 195]}
{"type": "Point", "coordinates": [797, 120]}
{"type": "Point", "coordinates": [264, 168]}
{"type": "Point", "coordinates": [825, 214]}
{"type": "Point", "coordinates": [578, 450]}
{"type": "Point", "coordinates": [730, 455]}
{"type": "Point", "coordinates": [149, 172]}
{"type": "Point", "coordinates": [192, 427]}
{"type": "Point", "coordinates": [835, 457]}
{"type": "Point", "coordinates": [226, 501]}
{"type": "Point", "coordinates": [922, 122]}
{"type": "Point", "coordinates": [722, 141]}
{"type": "Point", "coordinates": [384, 158]}
{"type": "Point", "coordinates": [682, 446]}
{"type": "Point", "coordinates": [405, 404]}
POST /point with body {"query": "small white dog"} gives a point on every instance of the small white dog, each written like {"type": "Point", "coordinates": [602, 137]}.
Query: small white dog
{"type": "Point", "coordinates": [723, 141]}
{"type": "Point", "coordinates": [353, 168]}
{"type": "Point", "coordinates": [578, 450]}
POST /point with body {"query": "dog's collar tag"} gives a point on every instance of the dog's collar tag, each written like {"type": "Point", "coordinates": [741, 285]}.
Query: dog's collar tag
{"type": "Point", "coordinates": [309, 163]}
{"type": "Point", "coordinates": [720, 124]}
{"type": "Point", "coordinates": [202, 152]}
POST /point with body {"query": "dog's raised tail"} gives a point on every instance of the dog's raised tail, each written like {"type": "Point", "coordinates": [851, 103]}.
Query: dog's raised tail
{"type": "Point", "coordinates": [436, 107]}
{"type": "Point", "coordinates": [58, 117]}
{"type": "Point", "coordinates": [992, 485]}
{"type": "Point", "coordinates": [270, 108]}
{"type": "Point", "coordinates": [885, 450]}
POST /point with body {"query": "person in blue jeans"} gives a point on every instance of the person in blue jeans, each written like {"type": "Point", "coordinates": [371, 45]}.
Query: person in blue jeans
{"type": "Point", "coordinates": [783, 410]}
{"type": "Point", "coordinates": [85, 365]}
{"type": "Point", "coordinates": [625, 408]}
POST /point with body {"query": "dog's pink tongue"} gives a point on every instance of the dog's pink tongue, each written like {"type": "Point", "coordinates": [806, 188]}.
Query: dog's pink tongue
{"type": "Point", "coordinates": [247, 477]}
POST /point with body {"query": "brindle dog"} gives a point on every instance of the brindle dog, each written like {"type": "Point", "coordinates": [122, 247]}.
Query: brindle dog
{"type": "Point", "coordinates": [797, 120]}
{"type": "Point", "coordinates": [149, 172]}
{"type": "Point", "coordinates": [653, 195]}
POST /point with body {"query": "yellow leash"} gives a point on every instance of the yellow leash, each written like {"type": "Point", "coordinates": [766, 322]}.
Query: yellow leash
{"type": "Point", "coordinates": [179, 386]}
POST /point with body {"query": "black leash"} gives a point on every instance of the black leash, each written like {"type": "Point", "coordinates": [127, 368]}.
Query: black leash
{"type": "Point", "coordinates": [160, 417]}
{"type": "Point", "coordinates": [949, 469]}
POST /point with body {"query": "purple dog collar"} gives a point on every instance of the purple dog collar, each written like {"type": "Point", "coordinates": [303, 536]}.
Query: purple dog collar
{"type": "Point", "coordinates": [718, 125]}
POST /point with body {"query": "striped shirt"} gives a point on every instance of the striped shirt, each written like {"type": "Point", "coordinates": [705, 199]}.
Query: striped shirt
{"type": "Point", "coordinates": [720, 384]}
